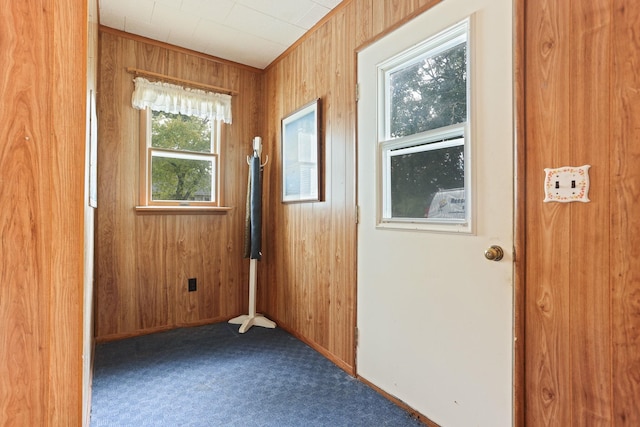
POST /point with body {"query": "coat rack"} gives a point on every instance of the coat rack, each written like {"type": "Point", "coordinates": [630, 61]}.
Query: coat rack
{"type": "Point", "coordinates": [253, 238]}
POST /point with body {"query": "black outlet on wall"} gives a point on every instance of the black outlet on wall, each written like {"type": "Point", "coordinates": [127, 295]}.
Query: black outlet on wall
{"type": "Point", "coordinates": [193, 284]}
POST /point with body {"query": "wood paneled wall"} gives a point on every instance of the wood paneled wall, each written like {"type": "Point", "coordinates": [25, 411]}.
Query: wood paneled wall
{"type": "Point", "coordinates": [624, 214]}
{"type": "Point", "coordinates": [580, 101]}
{"type": "Point", "coordinates": [309, 285]}
{"type": "Point", "coordinates": [583, 260]}
{"type": "Point", "coordinates": [42, 146]}
{"type": "Point", "coordinates": [143, 261]}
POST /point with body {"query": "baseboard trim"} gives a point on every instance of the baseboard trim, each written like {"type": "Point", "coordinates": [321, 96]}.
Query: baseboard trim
{"type": "Point", "coordinates": [415, 414]}
{"type": "Point", "coordinates": [332, 357]}
{"type": "Point", "coordinates": [140, 332]}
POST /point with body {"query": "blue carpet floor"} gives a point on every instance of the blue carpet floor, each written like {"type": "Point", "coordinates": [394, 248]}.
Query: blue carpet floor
{"type": "Point", "coordinates": [213, 376]}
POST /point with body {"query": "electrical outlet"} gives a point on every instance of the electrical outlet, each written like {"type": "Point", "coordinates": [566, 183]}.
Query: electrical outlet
{"type": "Point", "coordinates": [193, 285]}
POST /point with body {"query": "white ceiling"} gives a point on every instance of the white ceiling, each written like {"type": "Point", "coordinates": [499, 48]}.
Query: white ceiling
{"type": "Point", "coordinates": [251, 32]}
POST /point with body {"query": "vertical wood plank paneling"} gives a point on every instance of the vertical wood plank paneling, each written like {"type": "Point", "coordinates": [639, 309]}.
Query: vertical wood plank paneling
{"type": "Point", "coordinates": [385, 13]}
{"type": "Point", "coordinates": [106, 305]}
{"type": "Point", "coordinates": [127, 193]}
{"type": "Point", "coordinates": [388, 15]}
{"type": "Point", "coordinates": [107, 295]}
{"type": "Point", "coordinates": [187, 265]}
{"type": "Point", "coordinates": [116, 299]}
{"type": "Point", "coordinates": [25, 270]}
{"type": "Point", "coordinates": [143, 262]}
{"type": "Point", "coordinates": [599, 239]}
{"type": "Point", "coordinates": [625, 209]}
{"type": "Point", "coordinates": [67, 144]}
{"type": "Point", "coordinates": [343, 250]}
{"type": "Point", "coordinates": [275, 255]}
{"type": "Point", "coordinates": [152, 289]}
{"type": "Point", "coordinates": [589, 127]}
{"type": "Point", "coordinates": [363, 18]}
{"type": "Point", "coordinates": [548, 375]}
{"type": "Point", "coordinates": [41, 220]}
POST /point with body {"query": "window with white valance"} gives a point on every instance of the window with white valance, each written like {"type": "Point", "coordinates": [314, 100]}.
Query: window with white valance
{"type": "Point", "coordinates": [174, 99]}
{"type": "Point", "coordinates": [180, 144]}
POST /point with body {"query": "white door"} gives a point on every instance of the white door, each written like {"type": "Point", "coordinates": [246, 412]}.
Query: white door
{"type": "Point", "coordinates": [435, 316]}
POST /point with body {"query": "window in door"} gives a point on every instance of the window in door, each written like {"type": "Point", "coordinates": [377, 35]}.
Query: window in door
{"type": "Point", "coordinates": [423, 137]}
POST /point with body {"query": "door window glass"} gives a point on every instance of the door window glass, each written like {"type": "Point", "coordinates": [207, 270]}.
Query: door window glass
{"type": "Point", "coordinates": [423, 142]}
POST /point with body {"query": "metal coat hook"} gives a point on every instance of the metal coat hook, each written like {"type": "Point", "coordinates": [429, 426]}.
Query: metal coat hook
{"type": "Point", "coordinates": [257, 150]}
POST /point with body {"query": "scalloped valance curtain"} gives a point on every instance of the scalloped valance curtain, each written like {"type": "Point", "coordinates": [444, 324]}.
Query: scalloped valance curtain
{"type": "Point", "coordinates": [174, 99]}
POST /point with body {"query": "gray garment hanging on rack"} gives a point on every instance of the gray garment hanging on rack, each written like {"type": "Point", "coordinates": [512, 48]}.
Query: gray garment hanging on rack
{"type": "Point", "coordinates": [254, 204]}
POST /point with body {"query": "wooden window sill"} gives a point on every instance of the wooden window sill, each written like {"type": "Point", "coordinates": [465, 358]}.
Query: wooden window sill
{"type": "Point", "coordinates": [182, 210]}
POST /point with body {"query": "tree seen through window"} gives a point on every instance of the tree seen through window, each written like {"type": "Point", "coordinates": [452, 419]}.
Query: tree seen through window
{"type": "Point", "coordinates": [181, 161]}
{"type": "Point", "coordinates": [428, 94]}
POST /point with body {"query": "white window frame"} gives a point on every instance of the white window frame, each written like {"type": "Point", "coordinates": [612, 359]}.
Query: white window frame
{"type": "Point", "coordinates": [147, 152]}
{"type": "Point", "coordinates": [444, 137]}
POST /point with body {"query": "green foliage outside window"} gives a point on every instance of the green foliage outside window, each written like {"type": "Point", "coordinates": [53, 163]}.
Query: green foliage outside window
{"type": "Point", "coordinates": [180, 176]}
{"type": "Point", "coordinates": [429, 94]}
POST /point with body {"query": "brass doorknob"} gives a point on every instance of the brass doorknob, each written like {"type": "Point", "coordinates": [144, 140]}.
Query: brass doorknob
{"type": "Point", "coordinates": [494, 253]}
